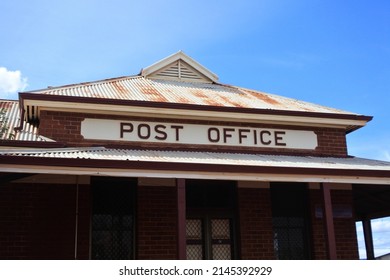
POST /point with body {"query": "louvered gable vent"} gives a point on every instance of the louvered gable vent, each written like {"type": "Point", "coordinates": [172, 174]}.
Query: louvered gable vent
{"type": "Point", "coordinates": [181, 71]}
{"type": "Point", "coordinates": [179, 67]}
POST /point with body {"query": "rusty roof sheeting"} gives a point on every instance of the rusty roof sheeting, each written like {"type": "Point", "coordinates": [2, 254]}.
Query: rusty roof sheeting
{"type": "Point", "coordinates": [235, 159]}
{"type": "Point", "coordinates": [12, 120]}
{"type": "Point", "coordinates": [138, 88]}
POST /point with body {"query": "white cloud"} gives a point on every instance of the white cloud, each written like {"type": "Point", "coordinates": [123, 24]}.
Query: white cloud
{"type": "Point", "coordinates": [386, 155]}
{"type": "Point", "coordinates": [381, 225]}
{"type": "Point", "coordinates": [11, 82]}
{"type": "Point", "coordinates": [381, 233]}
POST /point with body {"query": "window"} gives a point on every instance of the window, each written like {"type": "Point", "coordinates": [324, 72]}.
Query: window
{"type": "Point", "coordinates": [209, 238]}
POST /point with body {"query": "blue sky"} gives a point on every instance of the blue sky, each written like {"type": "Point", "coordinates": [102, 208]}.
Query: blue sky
{"type": "Point", "coordinates": [331, 52]}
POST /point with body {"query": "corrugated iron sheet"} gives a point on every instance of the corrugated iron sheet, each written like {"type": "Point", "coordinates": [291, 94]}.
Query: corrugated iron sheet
{"type": "Point", "coordinates": [101, 153]}
{"type": "Point", "coordinates": [12, 120]}
{"type": "Point", "coordinates": [144, 89]}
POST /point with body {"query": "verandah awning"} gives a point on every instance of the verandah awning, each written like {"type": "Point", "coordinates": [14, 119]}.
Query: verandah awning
{"type": "Point", "coordinates": [191, 164]}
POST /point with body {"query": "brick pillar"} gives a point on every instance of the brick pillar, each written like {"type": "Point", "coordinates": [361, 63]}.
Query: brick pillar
{"type": "Point", "coordinates": [345, 229]}
{"type": "Point", "coordinates": [255, 224]}
{"type": "Point", "coordinates": [156, 223]}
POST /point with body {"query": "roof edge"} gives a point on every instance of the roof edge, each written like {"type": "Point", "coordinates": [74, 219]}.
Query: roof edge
{"type": "Point", "coordinates": [75, 163]}
{"type": "Point", "coordinates": [195, 107]}
{"type": "Point", "coordinates": [30, 144]}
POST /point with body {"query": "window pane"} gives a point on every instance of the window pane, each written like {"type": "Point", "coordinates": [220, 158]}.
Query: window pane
{"type": "Point", "coordinates": [194, 252]}
{"type": "Point", "coordinates": [220, 229]}
{"type": "Point", "coordinates": [194, 239]}
{"type": "Point", "coordinates": [194, 229]}
{"type": "Point", "coordinates": [221, 252]}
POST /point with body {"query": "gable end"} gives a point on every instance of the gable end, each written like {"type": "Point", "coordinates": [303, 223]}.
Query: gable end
{"type": "Point", "coordinates": [179, 70]}
{"type": "Point", "coordinates": [179, 67]}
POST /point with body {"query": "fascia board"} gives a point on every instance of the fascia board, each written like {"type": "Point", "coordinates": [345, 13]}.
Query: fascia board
{"type": "Point", "coordinates": [264, 177]}
{"type": "Point", "coordinates": [113, 109]}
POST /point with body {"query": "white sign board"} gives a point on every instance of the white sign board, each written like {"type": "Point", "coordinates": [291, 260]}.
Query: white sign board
{"type": "Point", "coordinates": [197, 134]}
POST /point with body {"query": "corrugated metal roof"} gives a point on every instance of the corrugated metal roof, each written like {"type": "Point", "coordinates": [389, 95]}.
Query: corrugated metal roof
{"type": "Point", "coordinates": [236, 159]}
{"type": "Point", "coordinates": [138, 88]}
{"type": "Point", "coordinates": [12, 120]}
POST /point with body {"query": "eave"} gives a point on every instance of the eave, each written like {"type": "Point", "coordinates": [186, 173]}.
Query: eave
{"type": "Point", "coordinates": [91, 167]}
{"type": "Point", "coordinates": [35, 103]}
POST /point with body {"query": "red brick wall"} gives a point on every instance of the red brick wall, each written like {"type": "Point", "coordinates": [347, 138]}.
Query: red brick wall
{"type": "Point", "coordinates": [331, 142]}
{"type": "Point", "coordinates": [61, 126]}
{"type": "Point", "coordinates": [255, 224]}
{"type": "Point", "coordinates": [37, 221]}
{"type": "Point", "coordinates": [16, 211]}
{"type": "Point", "coordinates": [65, 127]}
{"type": "Point", "coordinates": [157, 223]}
{"type": "Point", "coordinates": [345, 229]}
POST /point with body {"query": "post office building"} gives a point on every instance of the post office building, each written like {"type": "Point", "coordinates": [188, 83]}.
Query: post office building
{"type": "Point", "coordinates": [172, 164]}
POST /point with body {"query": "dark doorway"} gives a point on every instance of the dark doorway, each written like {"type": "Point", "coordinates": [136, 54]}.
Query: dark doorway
{"type": "Point", "coordinates": [290, 221]}
{"type": "Point", "coordinates": [113, 218]}
{"type": "Point", "coordinates": [210, 227]}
